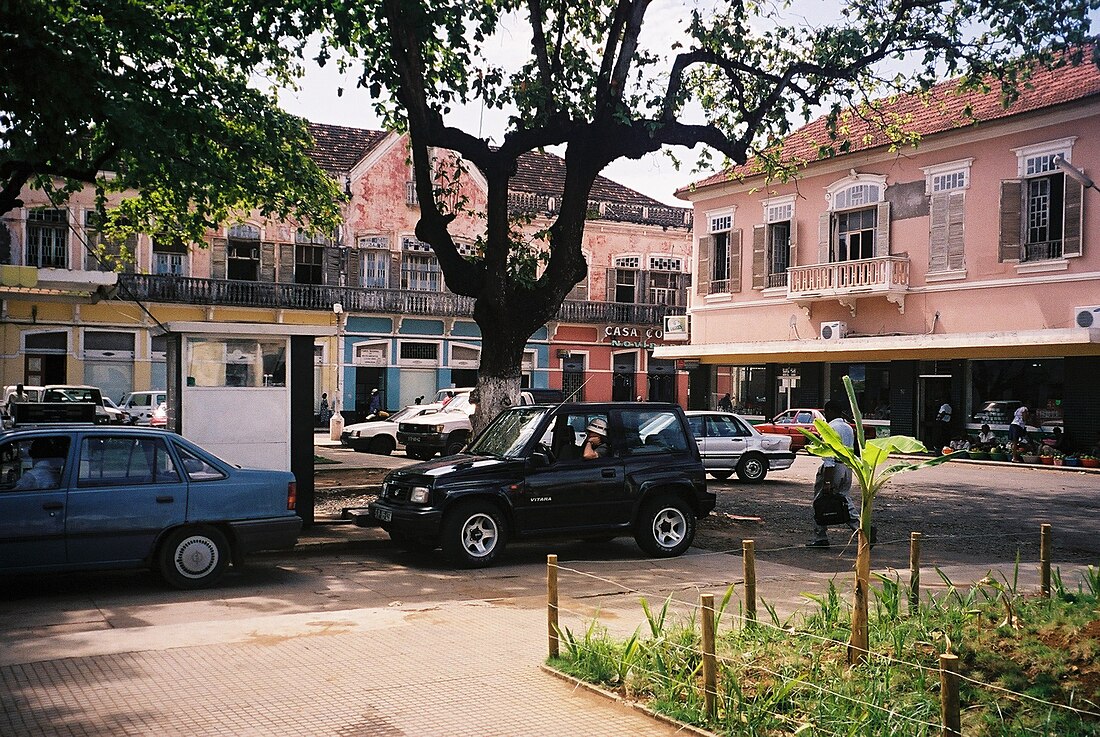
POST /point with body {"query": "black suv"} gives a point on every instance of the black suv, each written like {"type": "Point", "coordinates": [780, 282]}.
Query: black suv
{"type": "Point", "coordinates": [526, 475]}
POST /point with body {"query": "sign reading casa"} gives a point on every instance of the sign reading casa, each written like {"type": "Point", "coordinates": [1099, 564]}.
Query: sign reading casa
{"type": "Point", "coordinates": [633, 336]}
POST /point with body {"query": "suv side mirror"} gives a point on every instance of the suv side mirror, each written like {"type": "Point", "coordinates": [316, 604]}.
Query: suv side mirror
{"type": "Point", "coordinates": [539, 459]}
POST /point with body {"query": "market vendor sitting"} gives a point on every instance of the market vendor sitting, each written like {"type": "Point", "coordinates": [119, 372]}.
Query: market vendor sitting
{"type": "Point", "coordinates": [986, 439]}
{"type": "Point", "coordinates": [961, 442]}
{"type": "Point", "coordinates": [1058, 440]}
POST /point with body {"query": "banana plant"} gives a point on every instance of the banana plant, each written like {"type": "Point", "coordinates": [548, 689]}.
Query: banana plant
{"type": "Point", "coordinates": [868, 462]}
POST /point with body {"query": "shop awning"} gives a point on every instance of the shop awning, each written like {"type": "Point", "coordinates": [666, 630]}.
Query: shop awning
{"type": "Point", "coordinates": [1013, 344]}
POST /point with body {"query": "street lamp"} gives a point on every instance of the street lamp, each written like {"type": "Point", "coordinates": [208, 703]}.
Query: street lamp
{"type": "Point", "coordinates": [336, 424]}
{"type": "Point", "coordinates": [1074, 173]}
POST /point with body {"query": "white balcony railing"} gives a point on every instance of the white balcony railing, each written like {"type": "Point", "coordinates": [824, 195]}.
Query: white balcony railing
{"type": "Point", "coordinates": [847, 281]}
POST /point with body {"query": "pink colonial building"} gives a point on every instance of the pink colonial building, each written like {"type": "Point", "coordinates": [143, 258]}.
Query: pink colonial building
{"type": "Point", "coordinates": [964, 269]}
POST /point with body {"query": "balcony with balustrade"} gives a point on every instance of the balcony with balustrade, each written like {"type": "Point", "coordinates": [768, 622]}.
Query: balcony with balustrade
{"type": "Point", "coordinates": [849, 281]}
{"type": "Point", "coordinates": [233, 293]}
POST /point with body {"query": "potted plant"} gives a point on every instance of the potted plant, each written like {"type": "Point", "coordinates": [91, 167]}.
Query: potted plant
{"type": "Point", "coordinates": [1089, 461]}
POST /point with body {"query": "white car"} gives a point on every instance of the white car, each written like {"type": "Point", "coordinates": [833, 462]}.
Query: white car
{"type": "Point", "coordinates": [380, 436]}
{"type": "Point", "coordinates": [118, 415]}
{"type": "Point", "coordinates": [142, 405]}
{"type": "Point", "coordinates": [730, 444]}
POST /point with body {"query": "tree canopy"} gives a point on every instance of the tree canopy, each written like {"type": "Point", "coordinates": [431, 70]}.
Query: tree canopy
{"type": "Point", "coordinates": [607, 79]}
{"type": "Point", "coordinates": [153, 97]}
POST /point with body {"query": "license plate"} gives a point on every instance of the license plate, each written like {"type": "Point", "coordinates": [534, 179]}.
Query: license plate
{"type": "Point", "coordinates": [383, 515]}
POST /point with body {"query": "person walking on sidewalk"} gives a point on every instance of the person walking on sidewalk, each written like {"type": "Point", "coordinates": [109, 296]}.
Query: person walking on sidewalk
{"type": "Point", "coordinates": [833, 477]}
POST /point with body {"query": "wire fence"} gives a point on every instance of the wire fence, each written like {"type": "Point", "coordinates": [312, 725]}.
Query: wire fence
{"type": "Point", "coordinates": [919, 719]}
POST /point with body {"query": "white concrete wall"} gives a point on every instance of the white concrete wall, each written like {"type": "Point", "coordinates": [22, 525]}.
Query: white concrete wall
{"type": "Point", "coordinates": [249, 426]}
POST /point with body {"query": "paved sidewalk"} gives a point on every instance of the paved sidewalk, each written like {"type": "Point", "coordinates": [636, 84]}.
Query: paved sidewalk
{"type": "Point", "coordinates": [444, 670]}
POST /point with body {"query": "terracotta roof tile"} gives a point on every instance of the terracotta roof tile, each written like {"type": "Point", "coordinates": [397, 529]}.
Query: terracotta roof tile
{"type": "Point", "coordinates": [539, 175]}
{"type": "Point", "coordinates": [942, 109]}
{"type": "Point", "coordinates": [338, 148]}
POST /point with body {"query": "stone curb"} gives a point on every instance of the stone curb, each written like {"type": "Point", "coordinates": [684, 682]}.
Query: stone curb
{"type": "Point", "coordinates": [638, 706]}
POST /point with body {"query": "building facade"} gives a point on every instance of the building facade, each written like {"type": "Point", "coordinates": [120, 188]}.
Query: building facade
{"type": "Point", "coordinates": [965, 269]}
{"type": "Point", "coordinates": [74, 316]}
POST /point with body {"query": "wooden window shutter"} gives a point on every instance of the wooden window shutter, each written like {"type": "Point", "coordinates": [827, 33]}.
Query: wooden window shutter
{"type": "Point", "coordinates": [1072, 218]}
{"type": "Point", "coordinates": [882, 230]}
{"type": "Point", "coordinates": [1012, 224]}
{"type": "Point", "coordinates": [735, 260]}
{"type": "Point", "coordinates": [332, 266]}
{"type": "Point", "coordinates": [609, 285]}
{"type": "Point", "coordinates": [395, 270]}
{"type": "Point", "coordinates": [286, 263]}
{"type": "Point", "coordinates": [641, 288]}
{"type": "Point", "coordinates": [937, 232]}
{"type": "Point", "coordinates": [267, 262]}
{"type": "Point", "coordinates": [706, 248]}
{"type": "Point", "coordinates": [759, 256]}
{"type": "Point", "coordinates": [824, 236]}
{"type": "Point", "coordinates": [956, 214]}
{"type": "Point", "coordinates": [355, 260]}
{"type": "Point", "coordinates": [794, 245]}
{"type": "Point", "coordinates": [218, 249]}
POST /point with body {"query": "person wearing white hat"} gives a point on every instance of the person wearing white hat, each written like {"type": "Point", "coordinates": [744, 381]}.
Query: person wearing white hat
{"type": "Point", "coordinates": [595, 445]}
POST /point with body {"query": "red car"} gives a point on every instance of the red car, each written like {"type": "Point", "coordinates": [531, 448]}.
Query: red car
{"type": "Point", "coordinates": [789, 422]}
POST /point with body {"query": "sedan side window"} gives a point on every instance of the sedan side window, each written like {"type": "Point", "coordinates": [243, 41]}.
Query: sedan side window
{"type": "Point", "coordinates": [34, 463]}
{"type": "Point", "coordinates": [696, 425]}
{"type": "Point", "coordinates": [805, 418]}
{"type": "Point", "coordinates": [196, 468]}
{"type": "Point", "coordinates": [725, 426]}
{"type": "Point", "coordinates": [784, 419]}
{"type": "Point", "coordinates": [125, 461]}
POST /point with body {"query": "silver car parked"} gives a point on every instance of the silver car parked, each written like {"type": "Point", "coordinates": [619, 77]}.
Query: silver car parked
{"type": "Point", "coordinates": [729, 444]}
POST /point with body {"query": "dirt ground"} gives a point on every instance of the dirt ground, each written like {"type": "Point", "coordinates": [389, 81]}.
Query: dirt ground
{"type": "Point", "coordinates": [965, 512]}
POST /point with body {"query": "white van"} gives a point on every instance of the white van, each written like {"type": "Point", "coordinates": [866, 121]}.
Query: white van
{"type": "Point", "coordinates": [142, 405]}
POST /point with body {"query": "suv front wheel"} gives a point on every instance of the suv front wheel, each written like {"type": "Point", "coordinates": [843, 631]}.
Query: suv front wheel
{"type": "Point", "coordinates": [665, 527]}
{"type": "Point", "coordinates": [474, 533]}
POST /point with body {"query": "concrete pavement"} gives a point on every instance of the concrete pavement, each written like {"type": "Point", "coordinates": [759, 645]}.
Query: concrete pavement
{"type": "Point", "coordinates": [366, 645]}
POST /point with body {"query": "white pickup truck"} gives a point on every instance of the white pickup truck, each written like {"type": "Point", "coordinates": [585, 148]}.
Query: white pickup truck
{"type": "Point", "coordinates": [447, 431]}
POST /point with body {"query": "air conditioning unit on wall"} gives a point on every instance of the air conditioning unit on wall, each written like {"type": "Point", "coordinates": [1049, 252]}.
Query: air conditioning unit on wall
{"type": "Point", "coordinates": [833, 330]}
{"type": "Point", "coordinates": [1087, 317]}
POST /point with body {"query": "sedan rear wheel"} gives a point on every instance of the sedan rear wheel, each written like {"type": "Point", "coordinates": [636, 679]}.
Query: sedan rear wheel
{"type": "Point", "coordinates": [193, 557]}
{"type": "Point", "coordinates": [752, 468]}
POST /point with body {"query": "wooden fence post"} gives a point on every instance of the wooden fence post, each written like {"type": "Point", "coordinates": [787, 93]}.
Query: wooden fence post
{"type": "Point", "coordinates": [949, 695]}
{"type": "Point", "coordinates": [748, 551]}
{"type": "Point", "coordinates": [1044, 560]}
{"type": "Point", "coordinates": [710, 673]}
{"type": "Point", "coordinates": [552, 603]}
{"type": "Point", "coordinates": [914, 571]}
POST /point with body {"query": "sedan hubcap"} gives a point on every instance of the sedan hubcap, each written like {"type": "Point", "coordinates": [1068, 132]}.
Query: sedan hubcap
{"type": "Point", "coordinates": [195, 556]}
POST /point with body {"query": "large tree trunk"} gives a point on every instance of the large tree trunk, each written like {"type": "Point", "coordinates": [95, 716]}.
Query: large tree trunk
{"type": "Point", "coordinates": [498, 378]}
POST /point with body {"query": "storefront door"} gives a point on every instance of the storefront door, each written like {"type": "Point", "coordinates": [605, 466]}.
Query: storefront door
{"type": "Point", "coordinates": [933, 390]}
{"type": "Point", "coordinates": [622, 386]}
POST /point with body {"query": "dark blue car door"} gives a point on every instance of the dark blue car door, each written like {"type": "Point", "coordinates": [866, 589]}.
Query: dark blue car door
{"type": "Point", "coordinates": [33, 506]}
{"type": "Point", "coordinates": [126, 491]}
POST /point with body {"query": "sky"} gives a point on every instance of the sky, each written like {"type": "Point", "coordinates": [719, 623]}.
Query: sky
{"type": "Point", "coordinates": [656, 175]}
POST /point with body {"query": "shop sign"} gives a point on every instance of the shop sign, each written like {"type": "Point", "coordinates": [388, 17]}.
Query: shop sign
{"type": "Point", "coordinates": [633, 336]}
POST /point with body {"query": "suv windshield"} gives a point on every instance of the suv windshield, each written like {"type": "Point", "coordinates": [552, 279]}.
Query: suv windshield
{"type": "Point", "coordinates": [508, 433]}
{"type": "Point", "coordinates": [72, 394]}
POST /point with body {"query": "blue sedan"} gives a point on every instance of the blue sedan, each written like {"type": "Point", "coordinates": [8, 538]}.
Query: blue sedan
{"type": "Point", "coordinates": [95, 497]}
